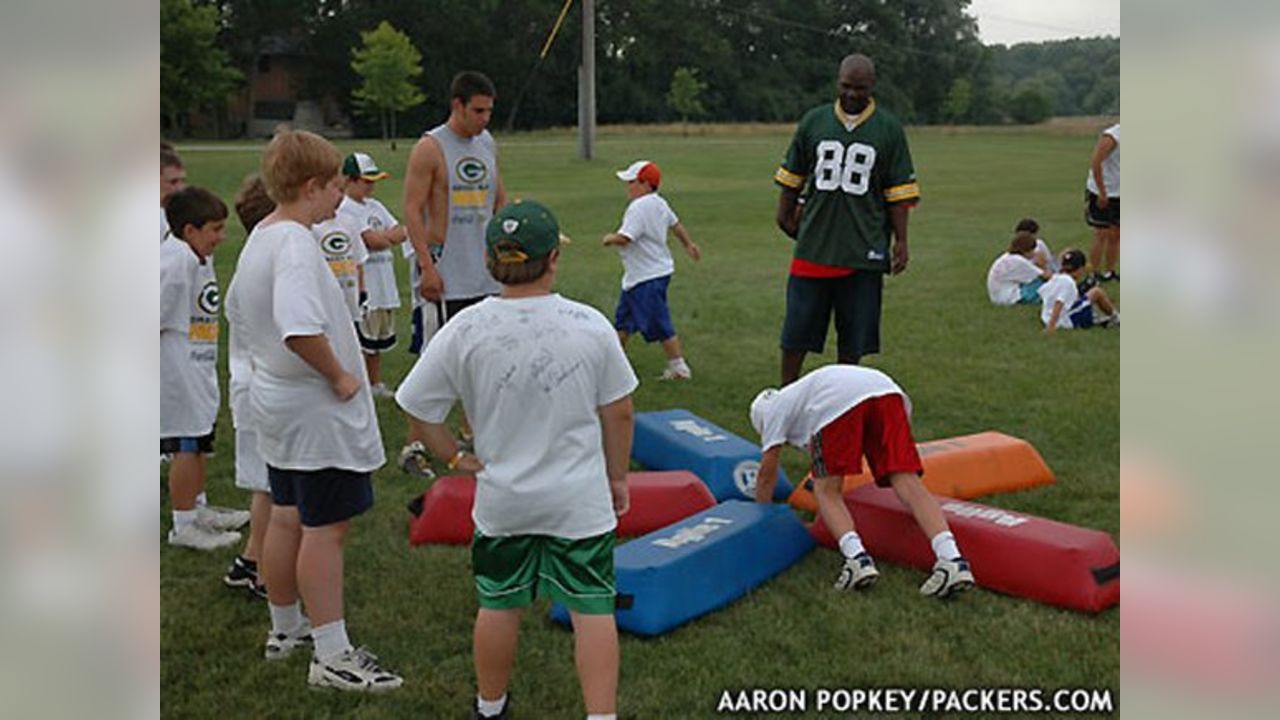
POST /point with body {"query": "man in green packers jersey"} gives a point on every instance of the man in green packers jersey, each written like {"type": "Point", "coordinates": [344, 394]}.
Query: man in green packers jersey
{"type": "Point", "coordinates": [851, 160]}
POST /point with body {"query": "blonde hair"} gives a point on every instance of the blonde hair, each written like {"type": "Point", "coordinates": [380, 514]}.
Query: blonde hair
{"type": "Point", "coordinates": [294, 157]}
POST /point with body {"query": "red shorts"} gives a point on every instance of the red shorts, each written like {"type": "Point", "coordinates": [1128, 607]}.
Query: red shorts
{"type": "Point", "coordinates": [878, 428]}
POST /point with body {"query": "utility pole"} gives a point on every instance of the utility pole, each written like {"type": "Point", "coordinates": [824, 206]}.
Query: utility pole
{"type": "Point", "coordinates": [587, 83]}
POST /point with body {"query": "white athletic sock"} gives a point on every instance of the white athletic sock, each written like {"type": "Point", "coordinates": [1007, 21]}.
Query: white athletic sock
{"type": "Point", "coordinates": [331, 639]}
{"type": "Point", "coordinates": [183, 519]}
{"type": "Point", "coordinates": [944, 546]}
{"type": "Point", "coordinates": [490, 708]}
{"type": "Point", "coordinates": [603, 716]}
{"type": "Point", "coordinates": [285, 619]}
{"type": "Point", "coordinates": [202, 499]}
{"type": "Point", "coordinates": [851, 545]}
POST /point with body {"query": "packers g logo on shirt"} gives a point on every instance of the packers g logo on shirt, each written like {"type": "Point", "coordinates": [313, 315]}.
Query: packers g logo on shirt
{"type": "Point", "coordinates": [209, 300]}
{"type": "Point", "coordinates": [336, 244]}
{"type": "Point", "coordinates": [471, 170]}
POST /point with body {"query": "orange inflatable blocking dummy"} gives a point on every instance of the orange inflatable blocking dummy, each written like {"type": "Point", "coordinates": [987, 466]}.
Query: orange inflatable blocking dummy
{"type": "Point", "coordinates": [965, 467]}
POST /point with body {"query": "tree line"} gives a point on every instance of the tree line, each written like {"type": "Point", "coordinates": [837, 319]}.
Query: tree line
{"type": "Point", "coordinates": [657, 60]}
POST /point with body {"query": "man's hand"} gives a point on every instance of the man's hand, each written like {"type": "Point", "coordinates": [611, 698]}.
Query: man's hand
{"type": "Point", "coordinates": [694, 251]}
{"type": "Point", "coordinates": [900, 256]}
{"type": "Point", "coordinates": [468, 464]}
{"type": "Point", "coordinates": [1103, 200]}
{"type": "Point", "coordinates": [345, 386]}
{"type": "Point", "coordinates": [430, 285]}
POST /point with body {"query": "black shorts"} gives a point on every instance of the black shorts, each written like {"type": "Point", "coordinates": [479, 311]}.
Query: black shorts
{"type": "Point", "coordinates": [1101, 217]}
{"type": "Point", "coordinates": [202, 445]}
{"type": "Point", "coordinates": [323, 497]}
{"type": "Point", "coordinates": [855, 300]}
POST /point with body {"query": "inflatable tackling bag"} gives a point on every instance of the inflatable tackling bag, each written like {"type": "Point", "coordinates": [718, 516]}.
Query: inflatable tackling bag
{"type": "Point", "coordinates": [702, 563]}
{"type": "Point", "coordinates": [1009, 552]}
{"type": "Point", "coordinates": [443, 512]}
{"type": "Point", "coordinates": [680, 440]}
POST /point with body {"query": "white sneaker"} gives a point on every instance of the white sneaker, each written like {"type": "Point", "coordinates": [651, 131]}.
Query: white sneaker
{"type": "Point", "coordinates": [671, 373]}
{"type": "Point", "coordinates": [220, 518]}
{"type": "Point", "coordinates": [949, 577]}
{"type": "Point", "coordinates": [859, 573]}
{"type": "Point", "coordinates": [381, 390]}
{"type": "Point", "coordinates": [201, 537]}
{"type": "Point", "coordinates": [282, 645]}
{"type": "Point", "coordinates": [355, 670]}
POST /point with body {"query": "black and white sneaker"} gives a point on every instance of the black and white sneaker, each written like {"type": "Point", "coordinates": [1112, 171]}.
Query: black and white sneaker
{"type": "Point", "coordinates": [282, 645]}
{"type": "Point", "coordinates": [502, 714]}
{"type": "Point", "coordinates": [354, 670]}
{"type": "Point", "coordinates": [948, 578]}
{"type": "Point", "coordinates": [859, 573]}
{"type": "Point", "coordinates": [241, 573]}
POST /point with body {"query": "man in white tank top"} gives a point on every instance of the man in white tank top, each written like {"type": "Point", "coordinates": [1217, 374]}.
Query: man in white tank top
{"type": "Point", "coordinates": [1102, 204]}
{"type": "Point", "coordinates": [452, 188]}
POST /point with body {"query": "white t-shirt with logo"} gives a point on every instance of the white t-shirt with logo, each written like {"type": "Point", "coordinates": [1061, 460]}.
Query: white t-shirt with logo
{"type": "Point", "coordinates": [379, 270]}
{"type": "Point", "coordinates": [531, 374]}
{"type": "Point", "coordinates": [283, 288]}
{"type": "Point", "coordinates": [1110, 167]}
{"type": "Point", "coordinates": [344, 251]}
{"type": "Point", "coordinates": [646, 222]}
{"type": "Point", "coordinates": [798, 411]}
{"type": "Point", "coordinates": [1060, 287]}
{"type": "Point", "coordinates": [189, 305]}
{"type": "Point", "coordinates": [1007, 273]}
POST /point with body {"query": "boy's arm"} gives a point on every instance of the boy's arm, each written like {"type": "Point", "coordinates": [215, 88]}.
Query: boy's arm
{"type": "Point", "coordinates": [442, 444]}
{"type": "Point", "coordinates": [616, 239]}
{"type": "Point", "coordinates": [384, 239]}
{"type": "Point", "coordinates": [1052, 326]}
{"type": "Point", "coordinates": [617, 420]}
{"type": "Point", "coordinates": [767, 476]}
{"type": "Point", "coordinates": [689, 245]}
{"type": "Point", "coordinates": [316, 352]}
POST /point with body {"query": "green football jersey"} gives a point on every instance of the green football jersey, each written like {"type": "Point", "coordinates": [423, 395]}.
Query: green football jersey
{"type": "Point", "coordinates": [854, 167]}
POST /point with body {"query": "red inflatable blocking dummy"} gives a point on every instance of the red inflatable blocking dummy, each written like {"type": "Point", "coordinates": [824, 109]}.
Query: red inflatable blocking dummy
{"type": "Point", "coordinates": [658, 499]}
{"type": "Point", "coordinates": [1009, 552]}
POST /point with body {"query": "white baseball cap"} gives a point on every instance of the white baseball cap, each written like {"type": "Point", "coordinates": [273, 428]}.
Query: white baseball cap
{"type": "Point", "coordinates": [641, 170]}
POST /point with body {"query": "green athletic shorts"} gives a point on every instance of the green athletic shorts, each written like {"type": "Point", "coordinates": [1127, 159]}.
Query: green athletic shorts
{"type": "Point", "coordinates": [511, 571]}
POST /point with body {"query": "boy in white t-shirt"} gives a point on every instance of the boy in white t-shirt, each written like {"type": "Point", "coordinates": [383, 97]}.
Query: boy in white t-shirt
{"type": "Point", "coordinates": [379, 231]}
{"type": "Point", "coordinates": [647, 265]}
{"type": "Point", "coordinates": [1065, 307]}
{"type": "Point", "coordinates": [189, 400]}
{"type": "Point", "coordinates": [839, 413]}
{"type": "Point", "coordinates": [548, 389]}
{"type": "Point", "coordinates": [309, 405]}
{"type": "Point", "coordinates": [339, 240]}
{"type": "Point", "coordinates": [1014, 278]}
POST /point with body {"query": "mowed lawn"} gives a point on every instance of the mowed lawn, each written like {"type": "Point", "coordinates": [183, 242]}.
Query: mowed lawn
{"type": "Point", "coordinates": [967, 366]}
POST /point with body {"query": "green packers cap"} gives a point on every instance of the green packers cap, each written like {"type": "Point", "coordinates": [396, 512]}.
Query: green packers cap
{"type": "Point", "coordinates": [529, 225]}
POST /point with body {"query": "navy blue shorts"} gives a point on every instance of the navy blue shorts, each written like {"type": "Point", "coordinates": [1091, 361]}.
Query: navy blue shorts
{"type": "Point", "coordinates": [323, 497]}
{"type": "Point", "coordinates": [202, 445]}
{"type": "Point", "coordinates": [643, 309]}
{"type": "Point", "coordinates": [1081, 314]}
{"type": "Point", "coordinates": [855, 301]}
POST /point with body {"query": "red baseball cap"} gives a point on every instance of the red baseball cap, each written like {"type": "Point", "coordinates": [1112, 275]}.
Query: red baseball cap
{"type": "Point", "coordinates": [641, 170]}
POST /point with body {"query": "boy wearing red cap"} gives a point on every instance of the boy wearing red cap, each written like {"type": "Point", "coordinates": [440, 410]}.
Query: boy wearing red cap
{"type": "Point", "coordinates": [647, 265]}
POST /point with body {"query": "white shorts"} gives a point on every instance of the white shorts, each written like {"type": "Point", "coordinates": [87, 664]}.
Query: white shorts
{"type": "Point", "coordinates": [251, 469]}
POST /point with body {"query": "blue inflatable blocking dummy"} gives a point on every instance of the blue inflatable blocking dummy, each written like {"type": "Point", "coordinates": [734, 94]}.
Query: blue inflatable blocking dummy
{"type": "Point", "coordinates": [702, 563]}
{"type": "Point", "coordinates": [680, 440]}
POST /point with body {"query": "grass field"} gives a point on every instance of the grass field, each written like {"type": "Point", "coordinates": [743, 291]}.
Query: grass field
{"type": "Point", "coordinates": [968, 367]}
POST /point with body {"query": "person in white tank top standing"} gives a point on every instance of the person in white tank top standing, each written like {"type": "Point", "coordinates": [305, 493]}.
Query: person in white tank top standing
{"type": "Point", "coordinates": [1102, 204]}
{"type": "Point", "coordinates": [452, 188]}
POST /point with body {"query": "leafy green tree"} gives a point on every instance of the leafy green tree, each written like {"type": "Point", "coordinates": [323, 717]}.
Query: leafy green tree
{"type": "Point", "coordinates": [388, 62]}
{"type": "Point", "coordinates": [683, 96]}
{"type": "Point", "coordinates": [195, 73]}
{"type": "Point", "coordinates": [956, 107]}
{"type": "Point", "coordinates": [1031, 105]}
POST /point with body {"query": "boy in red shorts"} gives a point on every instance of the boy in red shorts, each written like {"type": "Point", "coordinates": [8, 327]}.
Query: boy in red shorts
{"type": "Point", "coordinates": [839, 413]}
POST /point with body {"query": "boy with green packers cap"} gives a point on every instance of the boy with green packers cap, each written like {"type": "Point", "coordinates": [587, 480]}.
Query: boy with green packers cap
{"type": "Point", "coordinates": [547, 388]}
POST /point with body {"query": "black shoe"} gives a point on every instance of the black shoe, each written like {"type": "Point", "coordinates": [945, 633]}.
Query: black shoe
{"type": "Point", "coordinates": [1109, 276]}
{"type": "Point", "coordinates": [242, 574]}
{"type": "Point", "coordinates": [502, 714]}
